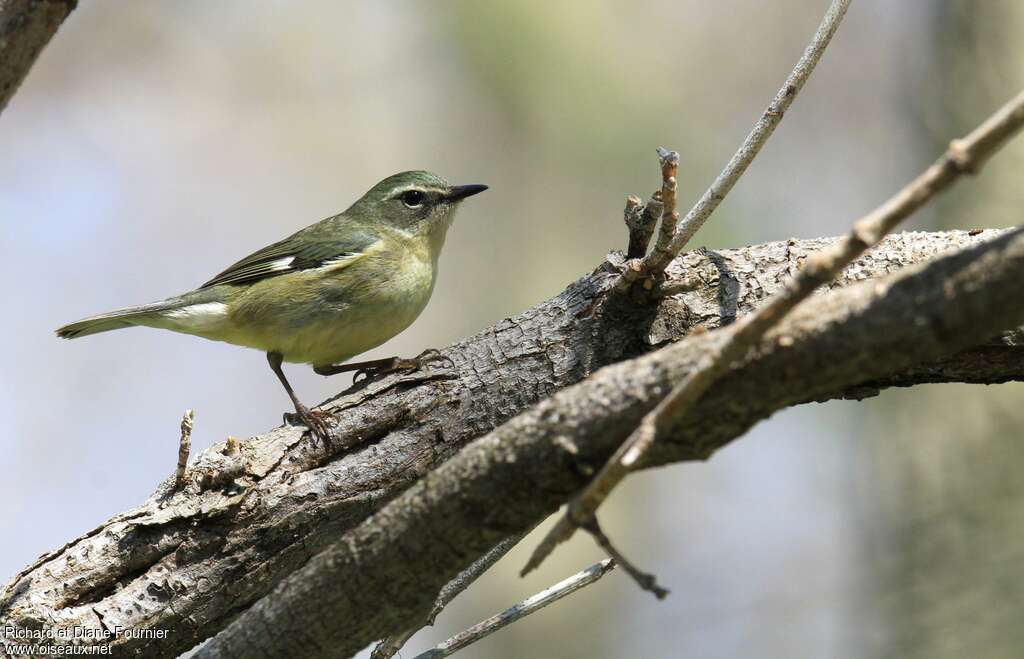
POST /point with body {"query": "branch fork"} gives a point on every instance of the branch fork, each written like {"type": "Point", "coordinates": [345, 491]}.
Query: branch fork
{"type": "Point", "coordinates": [673, 236]}
{"type": "Point", "coordinates": [659, 210]}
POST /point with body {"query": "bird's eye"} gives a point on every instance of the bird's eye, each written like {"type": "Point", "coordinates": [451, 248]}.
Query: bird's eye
{"type": "Point", "coordinates": [412, 198]}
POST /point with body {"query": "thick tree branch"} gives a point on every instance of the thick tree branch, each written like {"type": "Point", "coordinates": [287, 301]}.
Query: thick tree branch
{"type": "Point", "coordinates": [26, 26]}
{"type": "Point", "coordinates": [193, 559]}
{"type": "Point", "coordinates": [508, 479]}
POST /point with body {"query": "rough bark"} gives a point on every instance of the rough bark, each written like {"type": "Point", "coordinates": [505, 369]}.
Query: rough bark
{"type": "Point", "coordinates": [26, 26]}
{"type": "Point", "coordinates": [504, 482]}
{"type": "Point", "coordinates": [191, 561]}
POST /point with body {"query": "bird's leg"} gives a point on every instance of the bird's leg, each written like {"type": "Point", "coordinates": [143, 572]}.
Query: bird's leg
{"type": "Point", "coordinates": [377, 367]}
{"type": "Point", "coordinates": [313, 419]}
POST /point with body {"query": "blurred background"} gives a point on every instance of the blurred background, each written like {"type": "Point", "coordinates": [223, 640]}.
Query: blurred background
{"type": "Point", "coordinates": [154, 143]}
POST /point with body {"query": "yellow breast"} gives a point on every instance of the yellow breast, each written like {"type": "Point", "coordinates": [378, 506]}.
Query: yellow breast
{"type": "Point", "coordinates": [329, 315]}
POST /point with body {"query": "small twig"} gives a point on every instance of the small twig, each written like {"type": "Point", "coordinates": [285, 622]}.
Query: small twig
{"type": "Point", "coordinates": [640, 225]}
{"type": "Point", "coordinates": [658, 260]}
{"type": "Point", "coordinates": [522, 609]}
{"type": "Point", "coordinates": [390, 646]}
{"type": "Point", "coordinates": [645, 580]}
{"type": "Point", "coordinates": [471, 574]}
{"type": "Point", "coordinates": [184, 446]}
{"type": "Point", "coordinates": [669, 162]}
{"type": "Point", "coordinates": [963, 156]}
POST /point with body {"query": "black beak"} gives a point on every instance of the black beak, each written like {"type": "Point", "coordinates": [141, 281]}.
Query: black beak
{"type": "Point", "coordinates": [460, 192]}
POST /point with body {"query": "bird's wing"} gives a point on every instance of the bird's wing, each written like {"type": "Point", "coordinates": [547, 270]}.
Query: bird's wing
{"type": "Point", "coordinates": [313, 247]}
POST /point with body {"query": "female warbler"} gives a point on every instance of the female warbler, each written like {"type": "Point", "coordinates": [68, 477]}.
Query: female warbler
{"type": "Point", "coordinates": [324, 294]}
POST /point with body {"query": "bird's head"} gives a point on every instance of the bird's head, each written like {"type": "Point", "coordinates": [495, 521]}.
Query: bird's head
{"type": "Point", "coordinates": [416, 201]}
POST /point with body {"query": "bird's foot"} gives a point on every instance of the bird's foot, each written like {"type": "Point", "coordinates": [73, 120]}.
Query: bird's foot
{"type": "Point", "coordinates": [428, 357]}
{"type": "Point", "coordinates": [432, 357]}
{"type": "Point", "coordinates": [316, 420]}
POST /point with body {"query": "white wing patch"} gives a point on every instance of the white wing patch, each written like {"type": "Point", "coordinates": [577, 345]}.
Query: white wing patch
{"type": "Point", "coordinates": [338, 262]}
{"type": "Point", "coordinates": [207, 316]}
{"type": "Point", "coordinates": [281, 264]}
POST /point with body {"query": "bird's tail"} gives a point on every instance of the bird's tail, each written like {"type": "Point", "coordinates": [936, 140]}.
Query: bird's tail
{"type": "Point", "coordinates": [112, 320]}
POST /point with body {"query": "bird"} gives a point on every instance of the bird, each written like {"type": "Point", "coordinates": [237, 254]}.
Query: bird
{"type": "Point", "coordinates": [324, 294]}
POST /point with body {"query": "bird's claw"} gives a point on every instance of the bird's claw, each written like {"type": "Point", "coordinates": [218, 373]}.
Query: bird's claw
{"type": "Point", "coordinates": [315, 420]}
{"type": "Point", "coordinates": [432, 356]}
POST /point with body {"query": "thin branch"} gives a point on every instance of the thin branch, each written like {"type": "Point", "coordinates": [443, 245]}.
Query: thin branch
{"type": "Point", "coordinates": [963, 156]}
{"type": "Point", "coordinates": [669, 164]}
{"type": "Point", "coordinates": [184, 447]}
{"type": "Point", "coordinates": [646, 581]}
{"type": "Point", "coordinates": [533, 604]}
{"type": "Point", "coordinates": [471, 574]}
{"type": "Point", "coordinates": [390, 646]}
{"type": "Point", "coordinates": [658, 260]}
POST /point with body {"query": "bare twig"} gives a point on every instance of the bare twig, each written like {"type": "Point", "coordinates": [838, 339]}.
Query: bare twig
{"type": "Point", "coordinates": [390, 646]}
{"type": "Point", "coordinates": [669, 163]}
{"type": "Point", "coordinates": [521, 610]}
{"type": "Point", "coordinates": [963, 156]}
{"type": "Point", "coordinates": [646, 581]}
{"type": "Point", "coordinates": [184, 446]}
{"type": "Point", "coordinates": [641, 221]}
{"type": "Point", "coordinates": [658, 260]}
{"type": "Point", "coordinates": [652, 213]}
{"type": "Point", "coordinates": [471, 574]}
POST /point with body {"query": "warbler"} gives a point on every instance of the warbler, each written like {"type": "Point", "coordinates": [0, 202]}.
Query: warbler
{"type": "Point", "coordinates": [324, 294]}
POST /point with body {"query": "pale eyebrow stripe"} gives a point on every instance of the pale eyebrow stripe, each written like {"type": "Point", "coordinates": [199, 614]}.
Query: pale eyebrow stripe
{"type": "Point", "coordinates": [405, 188]}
